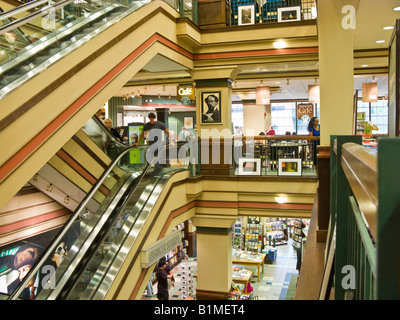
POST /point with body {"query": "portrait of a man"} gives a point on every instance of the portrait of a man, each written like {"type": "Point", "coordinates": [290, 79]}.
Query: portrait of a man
{"type": "Point", "coordinates": [211, 107]}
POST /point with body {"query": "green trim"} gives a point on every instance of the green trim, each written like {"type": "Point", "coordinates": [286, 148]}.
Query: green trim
{"type": "Point", "coordinates": [225, 82]}
{"type": "Point", "coordinates": [222, 231]}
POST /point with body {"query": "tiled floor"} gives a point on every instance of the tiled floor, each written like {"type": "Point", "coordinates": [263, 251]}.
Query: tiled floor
{"type": "Point", "coordinates": [273, 284]}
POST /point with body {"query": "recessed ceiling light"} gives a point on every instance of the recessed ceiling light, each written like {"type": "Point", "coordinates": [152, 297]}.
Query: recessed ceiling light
{"type": "Point", "coordinates": [279, 44]}
{"type": "Point", "coordinates": [281, 199]}
{"type": "Point", "coordinates": [396, 9]}
{"type": "Point", "coordinates": [388, 28]}
{"type": "Point", "coordinates": [364, 65]}
{"type": "Point", "coordinates": [380, 41]}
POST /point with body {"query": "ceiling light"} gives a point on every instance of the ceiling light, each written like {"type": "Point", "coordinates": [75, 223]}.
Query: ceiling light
{"type": "Point", "coordinates": [261, 83]}
{"type": "Point", "coordinates": [287, 82]}
{"type": "Point", "coordinates": [396, 9]}
{"type": "Point", "coordinates": [380, 41]}
{"type": "Point", "coordinates": [316, 80]}
{"type": "Point", "coordinates": [388, 28]}
{"type": "Point", "coordinates": [279, 44]}
{"type": "Point", "coordinates": [373, 79]}
{"type": "Point", "coordinates": [364, 65]}
{"type": "Point", "coordinates": [281, 199]}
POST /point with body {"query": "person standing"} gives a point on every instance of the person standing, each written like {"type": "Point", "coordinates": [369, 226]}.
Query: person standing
{"type": "Point", "coordinates": [162, 280]}
{"type": "Point", "coordinates": [153, 130]}
{"type": "Point", "coordinates": [314, 131]}
{"type": "Point", "coordinates": [151, 125]}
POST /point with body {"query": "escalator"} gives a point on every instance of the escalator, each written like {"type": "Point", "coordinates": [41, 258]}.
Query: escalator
{"type": "Point", "coordinates": [70, 174]}
{"type": "Point", "coordinates": [53, 84]}
{"type": "Point", "coordinates": [86, 268]}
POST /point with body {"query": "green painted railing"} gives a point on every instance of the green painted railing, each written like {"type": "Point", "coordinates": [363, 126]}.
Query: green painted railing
{"type": "Point", "coordinates": [365, 219]}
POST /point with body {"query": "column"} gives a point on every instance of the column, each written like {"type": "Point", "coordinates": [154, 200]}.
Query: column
{"type": "Point", "coordinates": [336, 78]}
{"type": "Point", "coordinates": [336, 68]}
{"type": "Point", "coordinates": [214, 255]}
{"type": "Point", "coordinates": [215, 129]}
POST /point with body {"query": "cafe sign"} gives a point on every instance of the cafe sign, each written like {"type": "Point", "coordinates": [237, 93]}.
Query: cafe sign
{"type": "Point", "coordinates": [305, 111]}
{"type": "Point", "coordinates": [185, 94]}
{"type": "Point", "coordinates": [152, 253]}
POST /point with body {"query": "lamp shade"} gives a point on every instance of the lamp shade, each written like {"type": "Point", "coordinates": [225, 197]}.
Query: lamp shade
{"type": "Point", "coordinates": [263, 95]}
{"type": "Point", "coordinates": [370, 92]}
{"type": "Point", "coordinates": [313, 93]}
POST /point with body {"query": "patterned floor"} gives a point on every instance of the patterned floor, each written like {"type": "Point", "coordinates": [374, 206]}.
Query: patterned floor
{"type": "Point", "coordinates": [278, 281]}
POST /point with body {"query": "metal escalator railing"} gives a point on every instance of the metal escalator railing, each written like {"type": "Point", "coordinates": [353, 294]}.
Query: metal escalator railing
{"type": "Point", "coordinates": [88, 269]}
{"type": "Point", "coordinates": [86, 224]}
{"type": "Point", "coordinates": [53, 31]}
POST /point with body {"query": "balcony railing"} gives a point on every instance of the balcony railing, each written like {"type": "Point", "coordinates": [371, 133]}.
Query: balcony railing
{"type": "Point", "coordinates": [363, 242]}
{"type": "Point", "coordinates": [267, 11]}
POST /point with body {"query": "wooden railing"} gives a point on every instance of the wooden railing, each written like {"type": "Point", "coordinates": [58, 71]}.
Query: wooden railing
{"type": "Point", "coordinates": [363, 244]}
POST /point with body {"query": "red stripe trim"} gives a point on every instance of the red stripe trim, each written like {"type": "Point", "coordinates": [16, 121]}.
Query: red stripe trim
{"type": "Point", "coordinates": [80, 170]}
{"type": "Point", "coordinates": [20, 156]}
{"type": "Point", "coordinates": [255, 53]}
{"type": "Point", "coordinates": [33, 221]}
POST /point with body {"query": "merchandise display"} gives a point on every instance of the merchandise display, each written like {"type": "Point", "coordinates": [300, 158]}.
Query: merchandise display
{"type": "Point", "coordinates": [275, 231]}
{"type": "Point", "coordinates": [299, 232]}
{"type": "Point", "coordinates": [253, 237]}
{"type": "Point", "coordinates": [178, 254]}
{"type": "Point", "coordinates": [187, 288]}
{"type": "Point", "coordinates": [237, 234]}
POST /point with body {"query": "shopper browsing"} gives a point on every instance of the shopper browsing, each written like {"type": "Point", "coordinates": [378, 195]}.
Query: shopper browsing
{"type": "Point", "coordinates": [162, 280]}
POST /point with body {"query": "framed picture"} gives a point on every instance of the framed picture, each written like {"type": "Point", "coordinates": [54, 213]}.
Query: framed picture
{"type": "Point", "coordinates": [211, 107]}
{"type": "Point", "coordinates": [188, 122]}
{"type": "Point", "coordinates": [246, 15]}
{"type": "Point", "coordinates": [289, 14]}
{"type": "Point", "coordinates": [289, 167]}
{"type": "Point", "coordinates": [249, 167]}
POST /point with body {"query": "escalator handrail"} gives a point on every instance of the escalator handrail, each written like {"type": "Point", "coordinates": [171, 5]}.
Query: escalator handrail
{"type": "Point", "coordinates": [165, 148]}
{"type": "Point", "coordinates": [21, 21]}
{"type": "Point", "coordinates": [108, 133]}
{"type": "Point", "coordinates": [15, 294]}
{"type": "Point", "coordinates": [22, 8]}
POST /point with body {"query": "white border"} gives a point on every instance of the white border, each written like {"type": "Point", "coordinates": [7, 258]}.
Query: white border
{"type": "Point", "coordinates": [280, 10]}
{"type": "Point", "coordinates": [252, 17]}
{"type": "Point", "coordinates": [299, 165]}
{"type": "Point", "coordinates": [257, 163]}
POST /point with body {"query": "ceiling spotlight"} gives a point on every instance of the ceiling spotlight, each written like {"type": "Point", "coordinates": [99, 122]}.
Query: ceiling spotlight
{"type": "Point", "coordinates": [281, 199]}
{"type": "Point", "coordinates": [364, 65]}
{"type": "Point", "coordinates": [261, 83]}
{"type": "Point", "coordinates": [169, 97]}
{"type": "Point", "coordinates": [388, 28]}
{"type": "Point", "coordinates": [235, 84]}
{"type": "Point", "coordinates": [315, 80]}
{"type": "Point", "coordinates": [279, 44]}
{"type": "Point", "coordinates": [287, 82]}
{"type": "Point", "coordinates": [396, 9]}
{"type": "Point", "coordinates": [159, 95]}
{"type": "Point", "coordinates": [373, 79]}
{"type": "Point", "coordinates": [163, 88]}
{"type": "Point", "coordinates": [380, 41]}
{"type": "Point", "coordinates": [138, 93]}
{"type": "Point", "coordinates": [145, 89]}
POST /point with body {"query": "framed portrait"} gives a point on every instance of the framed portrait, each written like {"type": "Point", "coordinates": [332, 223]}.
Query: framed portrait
{"type": "Point", "coordinates": [289, 14]}
{"type": "Point", "coordinates": [289, 167]}
{"type": "Point", "coordinates": [249, 167]}
{"type": "Point", "coordinates": [246, 15]}
{"type": "Point", "coordinates": [211, 107]}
